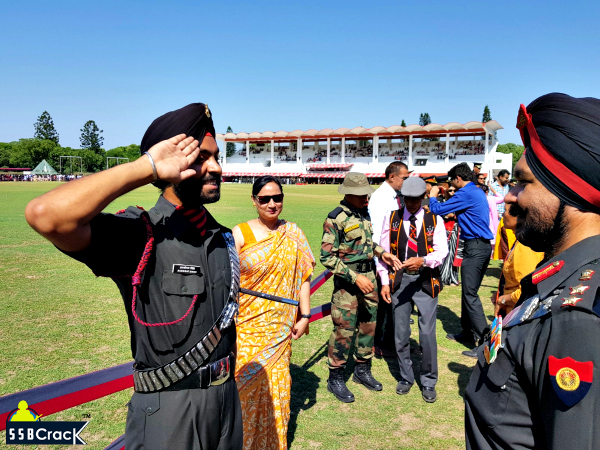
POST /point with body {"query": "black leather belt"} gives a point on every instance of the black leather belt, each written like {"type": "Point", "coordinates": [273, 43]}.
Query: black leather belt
{"type": "Point", "coordinates": [362, 267]}
{"type": "Point", "coordinates": [213, 374]}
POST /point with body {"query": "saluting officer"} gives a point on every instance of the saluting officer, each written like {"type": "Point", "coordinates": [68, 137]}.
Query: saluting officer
{"type": "Point", "coordinates": [178, 273]}
{"type": "Point", "coordinates": [536, 384]}
{"type": "Point", "coordinates": [347, 250]}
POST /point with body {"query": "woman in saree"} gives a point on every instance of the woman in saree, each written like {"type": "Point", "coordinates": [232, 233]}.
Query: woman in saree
{"type": "Point", "coordinates": [275, 259]}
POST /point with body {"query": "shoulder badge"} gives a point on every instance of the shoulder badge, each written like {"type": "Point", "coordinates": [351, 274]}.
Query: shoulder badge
{"type": "Point", "coordinates": [587, 274]}
{"type": "Point", "coordinates": [336, 212]}
{"type": "Point", "coordinates": [571, 379]}
{"type": "Point", "coordinates": [547, 271]}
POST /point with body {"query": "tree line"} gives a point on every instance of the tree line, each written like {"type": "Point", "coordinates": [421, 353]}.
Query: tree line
{"type": "Point", "coordinates": [45, 144]}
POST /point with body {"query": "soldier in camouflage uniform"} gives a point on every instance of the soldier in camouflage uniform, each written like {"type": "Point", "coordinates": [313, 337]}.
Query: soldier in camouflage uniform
{"type": "Point", "coordinates": [347, 250]}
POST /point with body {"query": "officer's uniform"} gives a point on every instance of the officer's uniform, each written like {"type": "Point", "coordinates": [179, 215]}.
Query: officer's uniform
{"type": "Point", "coordinates": [183, 264]}
{"type": "Point", "coordinates": [543, 387]}
{"type": "Point", "coordinates": [347, 250]}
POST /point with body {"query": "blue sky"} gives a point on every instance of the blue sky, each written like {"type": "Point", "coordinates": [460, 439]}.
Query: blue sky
{"type": "Point", "coordinates": [288, 65]}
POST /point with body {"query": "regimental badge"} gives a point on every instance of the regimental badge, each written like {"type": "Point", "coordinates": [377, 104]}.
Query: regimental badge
{"type": "Point", "coordinates": [491, 350]}
{"type": "Point", "coordinates": [521, 118]}
{"type": "Point", "coordinates": [206, 110]}
{"type": "Point", "coordinates": [395, 226]}
{"type": "Point", "coordinates": [578, 290]}
{"type": "Point", "coordinates": [570, 301]}
{"type": "Point", "coordinates": [587, 275]}
{"type": "Point", "coordinates": [571, 379]}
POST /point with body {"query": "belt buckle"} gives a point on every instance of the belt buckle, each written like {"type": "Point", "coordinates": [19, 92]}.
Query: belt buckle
{"type": "Point", "coordinates": [221, 368]}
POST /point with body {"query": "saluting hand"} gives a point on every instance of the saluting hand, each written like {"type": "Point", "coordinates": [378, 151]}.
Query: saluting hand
{"type": "Point", "coordinates": [174, 156]}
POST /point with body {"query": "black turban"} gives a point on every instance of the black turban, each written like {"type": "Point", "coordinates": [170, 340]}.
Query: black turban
{"type": "Point", "coordinates": [561, 135]}
{"type": "Point", "coordinates": [192, 120]}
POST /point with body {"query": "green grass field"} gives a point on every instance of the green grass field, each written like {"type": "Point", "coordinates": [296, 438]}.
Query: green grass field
{"type": "Point", "coordinates": [59, 321]}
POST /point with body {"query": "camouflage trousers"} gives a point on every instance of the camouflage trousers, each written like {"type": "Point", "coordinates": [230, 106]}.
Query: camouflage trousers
{"type": "Point", "coordinates": [354, 316]}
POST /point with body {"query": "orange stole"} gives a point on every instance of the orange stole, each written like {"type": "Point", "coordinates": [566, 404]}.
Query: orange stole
{"type": "Point", "coordinates": [278, 265]}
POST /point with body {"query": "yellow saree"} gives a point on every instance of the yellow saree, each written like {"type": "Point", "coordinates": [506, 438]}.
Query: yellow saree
{"type": "Point", "coordinates": [278, 265]}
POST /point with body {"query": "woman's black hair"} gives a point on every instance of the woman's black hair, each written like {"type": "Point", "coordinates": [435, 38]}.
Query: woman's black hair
{"type": "Point", "coordinates": [484, 188]}
{"type": "Point", "coordinates": [260, 183]}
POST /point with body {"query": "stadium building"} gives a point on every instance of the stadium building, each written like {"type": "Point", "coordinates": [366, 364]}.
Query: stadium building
{"type": "Point", "coordinates": [325, 156]}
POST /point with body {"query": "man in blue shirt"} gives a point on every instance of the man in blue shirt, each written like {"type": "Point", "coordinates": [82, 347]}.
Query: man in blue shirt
{"type": "Point", "coordinates": [473, 214]}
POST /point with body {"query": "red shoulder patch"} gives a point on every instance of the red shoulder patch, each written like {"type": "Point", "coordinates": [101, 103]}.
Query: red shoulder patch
{"type": "Point", "coordinates": [571, 379]}
{"type": "Point", "coordinates": [546, 272]}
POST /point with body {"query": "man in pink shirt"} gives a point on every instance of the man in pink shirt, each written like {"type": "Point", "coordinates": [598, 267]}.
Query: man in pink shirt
{"type": "Point", "coordinates": [418, 238]}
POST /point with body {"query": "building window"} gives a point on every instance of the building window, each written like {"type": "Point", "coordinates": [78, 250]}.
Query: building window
{"type": "Point", "coordinates": [421, 162]}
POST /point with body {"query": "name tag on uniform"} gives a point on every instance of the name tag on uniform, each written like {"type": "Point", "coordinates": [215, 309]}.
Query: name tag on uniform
{"type": "Point", "coordinates": [186, 270]}
{"type": "Point", "coordinates": [351, 227]}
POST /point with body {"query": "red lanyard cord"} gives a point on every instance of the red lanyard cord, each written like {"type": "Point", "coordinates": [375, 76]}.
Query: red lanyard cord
{"type": "Point", "coordinates": [136, 280]}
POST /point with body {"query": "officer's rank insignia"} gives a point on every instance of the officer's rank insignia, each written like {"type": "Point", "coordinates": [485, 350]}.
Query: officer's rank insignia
{"type": "Point", "coordinates": [587, 275]}
{"type": "Point", "coordinates": [547, 272]}
{"type": "Point", "coordinates": [570, 301]}
{"type": "Point", "coordinates": [206, 110]}
{"type": "Point", "coordinates": [578, 290]}
{"type": "Point", "coordinates": [491, 350]}
{"type": "Point", "coordinates": [571, 379]}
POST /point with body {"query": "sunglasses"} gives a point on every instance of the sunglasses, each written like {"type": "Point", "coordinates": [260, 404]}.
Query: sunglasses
{"type": "Point", "coordinates": [264, 199]}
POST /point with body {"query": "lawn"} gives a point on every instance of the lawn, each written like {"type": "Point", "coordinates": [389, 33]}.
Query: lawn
{"type": "Point", "coordinates": [59, 321]}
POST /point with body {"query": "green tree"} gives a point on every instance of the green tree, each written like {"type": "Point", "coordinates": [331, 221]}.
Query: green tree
{"type": "Point", "coordinates": [91, 138]}
{"type": "Point", "coordinates": [403, 124]}
{"type": "Point", "coordinates": [514, 149]}
{"type": "Point", "coordinates": [44, 128]}
{"type": "Point", "coordinates": [6, 150]}
{"type": "Point", "coordinates": [424, 119]}
{"type": "Point", "coordinates": [230, 148]}
{"type": "Point", "coordinates": [132, 152]}
{"type": "Point", "coordinates": [31, 152]}
{"type": "Point", "coordinates": [487, 116]}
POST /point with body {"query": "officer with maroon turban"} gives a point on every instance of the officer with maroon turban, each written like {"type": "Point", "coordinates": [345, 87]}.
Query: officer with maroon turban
{"type": "Point", "coordinates": [536, 382]}
{"type": "Point", "coordinates": [178, 273]}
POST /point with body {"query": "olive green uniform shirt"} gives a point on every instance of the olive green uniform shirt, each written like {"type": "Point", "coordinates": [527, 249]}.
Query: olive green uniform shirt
{"type": "Point", "coordinates": [347, 239]}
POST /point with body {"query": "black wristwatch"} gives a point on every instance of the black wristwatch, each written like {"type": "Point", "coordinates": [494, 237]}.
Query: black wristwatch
{"type": "Point", "coordinates": [306, 316]}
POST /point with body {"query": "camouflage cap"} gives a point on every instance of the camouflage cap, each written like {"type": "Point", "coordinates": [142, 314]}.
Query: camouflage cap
{"type": "Point", "coordinates": [355, 183]}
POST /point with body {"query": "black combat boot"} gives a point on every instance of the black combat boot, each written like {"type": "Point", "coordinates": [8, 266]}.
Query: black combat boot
{"type": "Point", "coordinates": [337, 386]}
{"type": "Point", "coordinates": [362, 375]}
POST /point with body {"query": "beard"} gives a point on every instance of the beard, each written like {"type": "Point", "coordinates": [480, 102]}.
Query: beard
{"type": "Point", "coordinates": [191, 191]}
{"type": "Point", "coordinates": [539, 233]}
